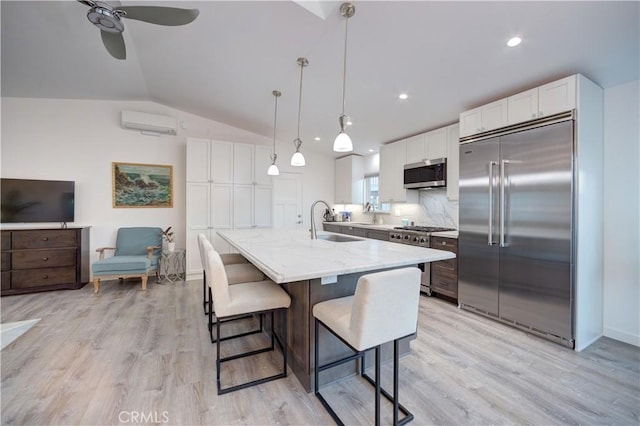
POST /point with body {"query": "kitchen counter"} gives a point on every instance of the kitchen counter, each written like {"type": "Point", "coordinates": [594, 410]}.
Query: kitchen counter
{"type": "Point", "coordinates": [290, 255]}
{"type": "Point", "coordinates": [363, 225]}
{"type": "Point", "coordinates": [446, 234]}
{"type": "Point", "coordinates": [313, 271]}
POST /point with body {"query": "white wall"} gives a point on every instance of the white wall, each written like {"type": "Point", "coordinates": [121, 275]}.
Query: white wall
{"type": "Point", "coordinates": [79, 139]}
{"type": "Point", "coordinates": [622, 213]}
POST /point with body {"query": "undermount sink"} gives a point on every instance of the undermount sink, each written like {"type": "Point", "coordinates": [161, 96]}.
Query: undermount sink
{"type": "Point", "coordinates": [338, 238]}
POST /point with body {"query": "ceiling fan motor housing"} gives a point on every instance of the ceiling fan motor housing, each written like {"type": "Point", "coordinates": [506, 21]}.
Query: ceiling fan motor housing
{"type": "Point", "coordinates": [105, 18]}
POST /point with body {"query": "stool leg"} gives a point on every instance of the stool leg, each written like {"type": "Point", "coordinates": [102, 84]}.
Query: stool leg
{"type": "Point", "coordinates": [217, 347]}
{"type": "Point", "coordinates": [395, 381]}
{"type": "Point", "coordinates": [204, 292]}
{"type": "Point", "coordinates": [377, 385]}
{"type": "Point", "coordinates": [316, 357]}
{"type": "Point", "coordinates": [96, 285]}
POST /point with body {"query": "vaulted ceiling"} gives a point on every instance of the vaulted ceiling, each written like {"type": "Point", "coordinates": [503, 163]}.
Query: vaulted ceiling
{"type": "Point", "coordinates": [447, 56]}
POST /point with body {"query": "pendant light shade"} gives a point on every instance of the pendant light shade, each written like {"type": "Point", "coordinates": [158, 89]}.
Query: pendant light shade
{"type": "Point", "coordinates": [273, 169]}
{"type": "Point", "coordinates": [343, 142]}
{"type": "Point", "coordinates": [297, 159]}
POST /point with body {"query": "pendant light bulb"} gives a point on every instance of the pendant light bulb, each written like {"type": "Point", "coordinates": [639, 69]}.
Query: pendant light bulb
{"type": "Point", "coordinates": [297, 159]}
{"type": "Point", "coordinates": [273, 169]}
{"type": "Point", "coordinates": [343, 143]}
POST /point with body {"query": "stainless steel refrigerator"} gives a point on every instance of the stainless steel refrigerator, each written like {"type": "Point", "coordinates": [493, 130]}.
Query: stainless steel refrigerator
{"type": "Point", "coordinates": [516, 239]}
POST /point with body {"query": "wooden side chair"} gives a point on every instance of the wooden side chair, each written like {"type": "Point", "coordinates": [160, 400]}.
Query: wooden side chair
{"type": "Point", "coordinates": [135, 255]}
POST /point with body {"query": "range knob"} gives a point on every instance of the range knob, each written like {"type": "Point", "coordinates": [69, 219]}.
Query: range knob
{"type": "Point", "coordinates": [415, 239]}
{"type": "Point", "coordinates": [406, 237]}
{"type": "Point", "coordinates": [423, 240]}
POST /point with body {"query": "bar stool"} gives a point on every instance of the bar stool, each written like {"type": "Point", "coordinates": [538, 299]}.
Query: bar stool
{"type": "Point", "coordinates": [236, 273]}
{"type": "Point", "coordinates": [384, 308]}
{"type": "Point", "coordinates": [236, 301]}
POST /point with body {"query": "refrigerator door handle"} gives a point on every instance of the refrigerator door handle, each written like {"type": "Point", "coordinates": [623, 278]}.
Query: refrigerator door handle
{"type": "Point", "coordinates": [503, 166]}
{"type": "Point", "coordinates": [490, 233]}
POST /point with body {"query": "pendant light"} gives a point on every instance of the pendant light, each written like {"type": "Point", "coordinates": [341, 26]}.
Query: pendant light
{"type": "Point", "coordinates": [343, 141]}
{"type": "Point", "coordinates": [273, 169]}
{"type": "Point", "coordinates": [297, 159]}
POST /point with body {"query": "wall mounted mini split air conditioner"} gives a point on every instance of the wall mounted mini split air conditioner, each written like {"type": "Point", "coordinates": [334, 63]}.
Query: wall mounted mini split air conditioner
{"type": "Point", "coordinates": [149, 123]}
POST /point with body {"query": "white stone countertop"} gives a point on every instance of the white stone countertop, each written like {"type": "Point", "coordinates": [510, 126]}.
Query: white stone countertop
{"type": "Point", "coordinates": [363, 225]}
{"type": "Point", "coordinates": [448, 234]}
{"type": "Point", "coordinates": [291, 255]}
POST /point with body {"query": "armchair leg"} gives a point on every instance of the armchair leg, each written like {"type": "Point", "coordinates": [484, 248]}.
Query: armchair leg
{"type": "Point", "coordinates": [144, 282]}
{"type": "Point", "coordinates": [96, 285]}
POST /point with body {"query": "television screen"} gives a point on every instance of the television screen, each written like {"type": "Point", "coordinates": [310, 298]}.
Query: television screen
{"type": "Point", "coordinates": [28, 200]}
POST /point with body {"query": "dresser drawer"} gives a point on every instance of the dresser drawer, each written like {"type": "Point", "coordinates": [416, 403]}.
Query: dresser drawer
{"type": "Point", "coordinates": [43, 277]}
{"type": "Point", "coordinates": [43, 239]}
{"type": "Point", "coordinates": [30, 259]}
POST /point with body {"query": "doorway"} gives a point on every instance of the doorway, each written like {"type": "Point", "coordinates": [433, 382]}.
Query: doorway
{"type": "Point", "coordinates": [287, 201]}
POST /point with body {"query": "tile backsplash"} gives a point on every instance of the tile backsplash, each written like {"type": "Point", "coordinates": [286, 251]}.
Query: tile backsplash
{"type": "Point", "coordinates": [434, 209]}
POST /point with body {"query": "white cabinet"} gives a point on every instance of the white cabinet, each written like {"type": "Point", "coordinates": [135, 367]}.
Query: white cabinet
{"type": "Point", "coordinates": [548, 99]}
{"type": "Point", "coordinates": [427, 146]}
{"type": "Point", "coordinates": [226, 189]}
{"type": "Point", "coordinates": [391, 181]}
{"type": "Point", "coordinates": [484, 118]}
{"type": "Point", "coordinates": [436, 144]}
{"type": "Point", "coordinates": [416, 148]}
{"type": "Point", "coordinates": [349, 180]}
{"type": "Point", "coordinates": [453, 161]}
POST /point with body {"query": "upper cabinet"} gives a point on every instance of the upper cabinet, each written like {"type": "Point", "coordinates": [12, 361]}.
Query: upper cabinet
{"type": "Point", "coordinates": [209, 161]}
{"type": "Point", "coordinates": [222, 162]}
{"type": "Point", "coordinates": [250, 164]}
{"type": "Point", "coordinates": [549, 99]}
{"type": "Point", "coordinates": [453, 161]}
{"type": "Point", "coordinates": [393, 157]}
{"type": "Point", "coordinates": [484, 118]}
{"type": "Point", "coordinates": [349, 180]}
{"type": "Point", "coordinates": [427, 146]}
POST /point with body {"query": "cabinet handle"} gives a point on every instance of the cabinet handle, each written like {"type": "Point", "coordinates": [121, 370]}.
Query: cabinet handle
{"type": "Point", "coordinates": [45, 276]}
{"type": "Point", "coordinates": [534, 115]}
{"type": "Point", "coordinates": [45, 238]}
{"type": "Point", "coordinates": [444, 243]}
{"type": "Point", "coordinates": [540, 114]}
{"type": "Point", "coordinates": [45, 259]}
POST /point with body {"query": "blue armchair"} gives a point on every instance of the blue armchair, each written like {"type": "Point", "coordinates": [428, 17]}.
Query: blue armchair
{"type": "Point", "coordinates": [136, 255]}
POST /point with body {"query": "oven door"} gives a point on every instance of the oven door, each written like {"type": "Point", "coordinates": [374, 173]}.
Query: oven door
{"type": "Point", "coordinates": [425, 278]}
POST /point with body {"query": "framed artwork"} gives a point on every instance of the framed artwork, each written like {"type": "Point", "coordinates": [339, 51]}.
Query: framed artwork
{"type": "Point", "coordinates": [142, 185]}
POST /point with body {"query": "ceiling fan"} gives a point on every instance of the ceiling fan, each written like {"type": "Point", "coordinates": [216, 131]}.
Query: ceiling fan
{"type": "Point", "coordinates": [108, 19]}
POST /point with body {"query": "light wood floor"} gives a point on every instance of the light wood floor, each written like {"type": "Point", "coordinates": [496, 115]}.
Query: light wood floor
{"type": "Point", "coordinates": [106, 358]}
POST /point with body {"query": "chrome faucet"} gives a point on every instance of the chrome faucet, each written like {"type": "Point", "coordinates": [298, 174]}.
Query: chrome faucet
{"type": "Point", "coordinates": [314, 234]}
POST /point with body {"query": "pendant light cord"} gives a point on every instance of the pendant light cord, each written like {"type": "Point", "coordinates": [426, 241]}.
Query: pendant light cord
{"type": "Point", "coordinates": [275, 117]}
{"type": "Point", "coordinates": [300, 98]}
{"type": "Point", "coordinates": [344, 72]}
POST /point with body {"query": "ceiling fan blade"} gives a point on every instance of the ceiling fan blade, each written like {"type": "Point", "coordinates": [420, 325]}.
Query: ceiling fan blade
{"type": "Point", "coordinates": [114, 42]}
{"type": "Point", "coordinates": [160, 15]}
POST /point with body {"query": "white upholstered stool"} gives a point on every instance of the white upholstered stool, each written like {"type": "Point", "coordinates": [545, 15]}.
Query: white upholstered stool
{"type": "Point", "coordinates": [384, 308]}
{"type": "Point", "coordinates": [230, 302]}
{"type": "Point", "coordinates": [239, 272]}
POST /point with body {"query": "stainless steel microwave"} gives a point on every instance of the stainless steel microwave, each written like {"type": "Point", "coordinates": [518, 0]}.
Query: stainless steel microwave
{"type": "Point", "coordinates": [426, 174]}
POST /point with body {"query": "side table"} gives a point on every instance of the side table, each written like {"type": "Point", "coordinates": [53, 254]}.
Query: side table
{"type": "Point", "coordinates": [172, 266]}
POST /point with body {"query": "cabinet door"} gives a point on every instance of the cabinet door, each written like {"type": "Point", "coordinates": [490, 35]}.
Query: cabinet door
{"type": "Point", "coordinates": [221, 206]}
{"type": "Point", "coordinates": [453, 161]}
{"type": "Point", "coordinates": [470, 122]}
{"type": "Point", "coordinates": [523, 106]}
{"type": "Point", "coordinates": [221, 162]}
{"type": "Point", "coordinates": [416, 149]}
{"type": "Point", "coordinates": [262, 161]}
{"type": "Point", "coordinates": [436, 143]}
{"type": "Point", "coordinates": [243, 163]}
{"type": "Point", "coordinates": [494, 115]}
{"type": "Point", "coordinates": [557, 96]}
{"type": "Point", "coordinates": [197, 160]}
{"type": "Point", "coordinates": [242, 206]}
{"type": "Point", "coordinates": [263, 206]}
{"type": "Point", "coordinates": [342, 187]}
{"type": "Point", "coordinates": [386, 179]}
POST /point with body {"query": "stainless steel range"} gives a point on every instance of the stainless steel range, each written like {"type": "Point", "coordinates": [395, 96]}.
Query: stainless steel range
{"type": "Point", "coordinates": [418, 236]}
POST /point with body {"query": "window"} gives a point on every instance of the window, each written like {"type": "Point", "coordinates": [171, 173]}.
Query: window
{"type": "Point", "coordinates": [371, 198]}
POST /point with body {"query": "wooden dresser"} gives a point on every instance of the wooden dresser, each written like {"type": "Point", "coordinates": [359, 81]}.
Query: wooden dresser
{"type": "Point", "coordinates": [44, 259]}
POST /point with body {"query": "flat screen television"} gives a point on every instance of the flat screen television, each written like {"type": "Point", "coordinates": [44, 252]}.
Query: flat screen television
{"type": "Point", "coordinates": [29, 200]}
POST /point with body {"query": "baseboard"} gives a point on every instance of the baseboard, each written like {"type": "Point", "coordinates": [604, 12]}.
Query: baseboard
{"type": "Point", "coordinates": [623, 336]}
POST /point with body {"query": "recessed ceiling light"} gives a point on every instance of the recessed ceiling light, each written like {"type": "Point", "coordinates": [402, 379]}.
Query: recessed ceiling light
{"type": "Point", "coordinates": [371, 150]}
{"type": "Point", "coordinates": [316, 138]}
{"type": "Point", "coordinates": [403, 96]}
{"type": "Point", "coordinates": [514, 41]}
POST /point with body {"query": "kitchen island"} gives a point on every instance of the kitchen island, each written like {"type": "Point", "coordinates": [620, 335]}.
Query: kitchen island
{"type": "Point", "coordinates": [312, 271]}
